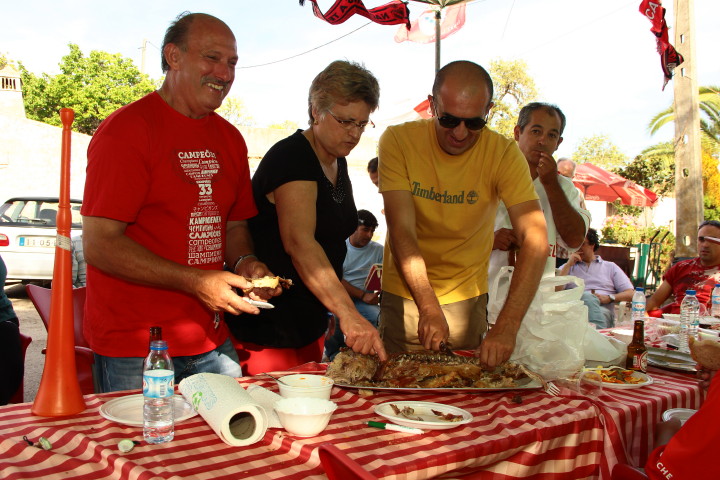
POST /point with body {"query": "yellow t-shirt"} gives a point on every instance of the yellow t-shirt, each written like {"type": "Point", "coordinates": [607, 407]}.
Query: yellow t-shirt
{"type": "Point", "coordinates": [455, 199]}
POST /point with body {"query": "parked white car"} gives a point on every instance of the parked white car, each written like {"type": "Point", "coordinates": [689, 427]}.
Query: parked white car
{"type": "Point", "coordinates": [28, 231]}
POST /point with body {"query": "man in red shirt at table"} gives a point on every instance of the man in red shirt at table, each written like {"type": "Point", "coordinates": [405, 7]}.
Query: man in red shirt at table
{"type": "Point", "coordinates": [699, 274]}
{"type": "Point", "coordinates": [689, 450]}
{"type": "Point", "coordinates": [166, 203]}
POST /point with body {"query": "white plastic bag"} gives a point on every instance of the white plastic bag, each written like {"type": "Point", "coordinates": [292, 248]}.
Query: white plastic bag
{"type": "Point", "coordinates": [550, 339]}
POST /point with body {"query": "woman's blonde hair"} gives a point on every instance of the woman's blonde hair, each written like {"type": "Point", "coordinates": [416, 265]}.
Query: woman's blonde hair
{"type": "Point", "coordinates": [342, 82]}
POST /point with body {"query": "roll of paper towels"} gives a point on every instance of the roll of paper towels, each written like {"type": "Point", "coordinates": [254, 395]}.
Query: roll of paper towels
{"type": "Point", "coordinates": [225, 405]}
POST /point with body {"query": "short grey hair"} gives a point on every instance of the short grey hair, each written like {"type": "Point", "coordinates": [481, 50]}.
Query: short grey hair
{"type": "Point", "coordinates": [343, 82]}
{"type": "Point", "coordinates": [527, 110]}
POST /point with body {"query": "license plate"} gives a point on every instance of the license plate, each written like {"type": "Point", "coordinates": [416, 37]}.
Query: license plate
{"type": "Point", "coordinates": [48, 242]}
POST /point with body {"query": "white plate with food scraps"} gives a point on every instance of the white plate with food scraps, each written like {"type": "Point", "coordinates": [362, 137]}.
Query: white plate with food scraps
{"type": "Point", "coordinates": [128, 410]}
{"type": "Point", "coordinates": [425, 415]}
{"type": "Point", "coordinates": [640, 379]}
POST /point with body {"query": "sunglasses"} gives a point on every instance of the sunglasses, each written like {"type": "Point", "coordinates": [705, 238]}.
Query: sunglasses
{"type": "Point", "coordinates": [451, 121]}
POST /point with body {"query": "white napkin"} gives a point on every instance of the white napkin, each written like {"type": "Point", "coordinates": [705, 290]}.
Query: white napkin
{"type": "Point", "coordinates": [231, 412]}
{"type": "Point", "coordinates": [266, 399]}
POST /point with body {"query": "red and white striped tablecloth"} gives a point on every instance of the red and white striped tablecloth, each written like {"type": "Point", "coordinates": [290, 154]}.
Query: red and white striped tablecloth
{"type": "Point", "coordinates": [632, 414]}
{"type": "Point", "coordinates": [542, 437]}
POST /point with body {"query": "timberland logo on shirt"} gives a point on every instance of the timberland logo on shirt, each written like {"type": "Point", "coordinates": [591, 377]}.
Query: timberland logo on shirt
{"type": "Point", "coordinates": [444, 197]}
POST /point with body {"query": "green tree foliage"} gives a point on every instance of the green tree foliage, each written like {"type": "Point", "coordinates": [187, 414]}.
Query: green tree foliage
{"type": "Point", "coordinates": [93, 86]}
{"type": "Point", "coordinates": [234, 111]}
{"type": "Point", "coordinates": [4, 61]}
{"type": "Point", "coordinates": [286, 125]}
{"type": "Point", "coordinates": [653, 169]}
{"type": "Point", "coordinates": [600, 151]}
{"type": "Point", "coordinates": [711, 186]}
{"type": "Point", "coordinates": [514, 87]}
{"type": "Point", "coordinates": [709, 104]}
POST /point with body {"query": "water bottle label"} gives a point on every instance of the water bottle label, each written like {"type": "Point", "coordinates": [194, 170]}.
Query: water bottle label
{"type": "Point", "coordinates": [158, 383]}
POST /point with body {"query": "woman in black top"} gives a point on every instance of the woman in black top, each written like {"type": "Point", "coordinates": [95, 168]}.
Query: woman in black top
{"type": "Point", "coordinates": [306, 211]}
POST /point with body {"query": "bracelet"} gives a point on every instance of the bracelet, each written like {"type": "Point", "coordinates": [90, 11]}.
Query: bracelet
{"type": "Point", "coordinates": [240, 259]}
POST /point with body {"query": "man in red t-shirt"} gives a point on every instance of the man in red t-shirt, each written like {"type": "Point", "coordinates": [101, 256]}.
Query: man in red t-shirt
{"type": "Point", "coordinates": [167, 197]}
{"type": "Point", "coordinates": [688, 451]}
{"type": "Point", "coordinates": [699, 274]}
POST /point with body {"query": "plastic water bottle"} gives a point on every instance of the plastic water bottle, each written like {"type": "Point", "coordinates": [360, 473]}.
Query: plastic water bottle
{"type": "Point", "coordinates": [715, 301]}
{"type": "Point", "coordinates": [638, 304]}
{"type": "Point", "coordinates": [158, 383]}
{"type": "Point", "coordinates": [689, 319]}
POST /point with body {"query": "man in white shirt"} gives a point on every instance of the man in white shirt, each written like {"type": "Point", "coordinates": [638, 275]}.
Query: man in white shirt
{"type": "Point", "coordinates": [539, 133]}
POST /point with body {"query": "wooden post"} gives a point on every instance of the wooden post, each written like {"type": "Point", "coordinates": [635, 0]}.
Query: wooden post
{"type": "Point", "coordinates": [688, 155]}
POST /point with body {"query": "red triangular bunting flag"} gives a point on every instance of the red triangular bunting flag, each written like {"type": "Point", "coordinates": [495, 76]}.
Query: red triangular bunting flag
{"type": "Point", "coordinates": [393, 13]}
{"type": "Point", "coordinates": [422, 30]}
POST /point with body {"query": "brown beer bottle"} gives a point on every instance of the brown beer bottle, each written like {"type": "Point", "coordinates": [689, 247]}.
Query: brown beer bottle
{"type": "Point", "coordinates": [636, 350]}
{"type": "Point", "coordinates": [155, 334]}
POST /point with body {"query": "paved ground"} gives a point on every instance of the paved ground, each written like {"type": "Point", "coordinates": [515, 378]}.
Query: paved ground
{"type": "Point", "coordinates": [30, 324]}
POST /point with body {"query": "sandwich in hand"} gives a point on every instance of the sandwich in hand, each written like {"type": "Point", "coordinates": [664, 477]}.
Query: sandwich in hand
{"type": "Point", "coordinates": [267, 282]}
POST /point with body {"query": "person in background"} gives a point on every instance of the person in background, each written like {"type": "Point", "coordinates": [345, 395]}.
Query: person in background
{"type": "Point", "coordinates": [605, 283]}
{"type": "Point", "coordinates": [538, 133]}
{"type": "Point", "coordinates": [566, 167]}
{"type": "Point", "coordinates": [699, 274]}
{"type": "Point", "coordinates": [11, 357]}
{"type": "Point", "coordinates": [306, 212]}
{"type": "Point", "coordinates": [78, 262]}
{"type": "Point", "coordinates": [166, 203]}
{"type": "Point", "coordinates": [372, 169]}
{"type": "Point", "coordinates": [362, 254]}
{"type": "Point", "coordinates": [441, 180]}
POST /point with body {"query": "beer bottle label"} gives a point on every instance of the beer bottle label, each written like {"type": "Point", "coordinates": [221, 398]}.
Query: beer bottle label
{"type": "Point", "coordinates": [640, 362]}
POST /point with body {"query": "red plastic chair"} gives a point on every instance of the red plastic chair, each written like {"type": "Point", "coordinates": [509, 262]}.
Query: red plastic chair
{"type": "Point", "coordinates": [622, 471]}
{"type": "Point", "coordinates": [84, 357]}
{"type": "Point", "coordinates": [338, 466]}
{"type": "Point", "coordinates": [19, 397]}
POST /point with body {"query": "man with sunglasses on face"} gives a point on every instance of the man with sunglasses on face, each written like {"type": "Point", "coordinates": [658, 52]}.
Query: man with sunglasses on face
{"type": "Point", "coordinates": [538, 133]}
{"type": "Point", "coordinates": [699, 274]}
{"type": "Point", "coordinates": [441, 180]}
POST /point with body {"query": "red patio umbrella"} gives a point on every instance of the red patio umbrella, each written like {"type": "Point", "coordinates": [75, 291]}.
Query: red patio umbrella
{"type": "Point", "coordinates": [599, 184]}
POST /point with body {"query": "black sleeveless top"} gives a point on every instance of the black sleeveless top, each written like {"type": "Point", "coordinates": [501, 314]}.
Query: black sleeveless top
{"type": "Point", "coordinates": [298, 318]}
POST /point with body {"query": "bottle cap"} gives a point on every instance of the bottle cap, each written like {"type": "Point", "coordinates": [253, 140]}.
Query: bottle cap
{"type": "Point", "coordinates": [639, 289]}
{"type": "Point", "coordinates": [689, 292]}
{"type": "Point", "coordinates": [158, 345]}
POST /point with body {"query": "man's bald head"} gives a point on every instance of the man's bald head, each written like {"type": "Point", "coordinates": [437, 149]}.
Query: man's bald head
{"type": "Point", "coordinates": [470, 73]}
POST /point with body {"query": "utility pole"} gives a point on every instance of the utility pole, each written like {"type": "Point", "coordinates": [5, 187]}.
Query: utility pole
{"type": "Point", "coordinates": [688, 156]}
{"type": "Point", "coordinates": [142, 59]}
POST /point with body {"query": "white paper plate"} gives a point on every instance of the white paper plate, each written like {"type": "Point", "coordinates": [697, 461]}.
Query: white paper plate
{"type": "Point", "coordinates": [681, 414]}
{"type": "Point", "coordinates": [646, 380]}
{"type": "Point", "coordinates": [423, 410]}
{"type": "Point", "coordinates": [129, 410]}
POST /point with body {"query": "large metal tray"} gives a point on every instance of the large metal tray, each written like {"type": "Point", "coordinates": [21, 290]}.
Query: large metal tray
{"type": "Point", "coordinates": [671, 359]}
{"type": "Point", "coordinates": [523, 384]}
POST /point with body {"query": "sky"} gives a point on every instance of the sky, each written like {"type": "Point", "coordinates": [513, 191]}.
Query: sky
{"type": "Point", "coordinates": [596, 60]}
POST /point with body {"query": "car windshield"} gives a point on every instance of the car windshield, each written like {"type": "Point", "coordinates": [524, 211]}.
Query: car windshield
{"type": "Point", "coordinates": [36, 213]}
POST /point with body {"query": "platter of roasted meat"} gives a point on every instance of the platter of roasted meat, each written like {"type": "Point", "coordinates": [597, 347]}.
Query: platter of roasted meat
{"type": "Point", "coordinates": [424, 370]}
{"type": "Point", "coordinates": [425, 415]}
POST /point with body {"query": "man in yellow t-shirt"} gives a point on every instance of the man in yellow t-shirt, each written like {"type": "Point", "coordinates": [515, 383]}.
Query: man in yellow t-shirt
{"type": "Point", "coordinates": [441, 181]}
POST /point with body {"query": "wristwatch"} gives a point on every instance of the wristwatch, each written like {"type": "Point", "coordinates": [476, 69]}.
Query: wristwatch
{"type": "Point", "coordinates": [612, 298]}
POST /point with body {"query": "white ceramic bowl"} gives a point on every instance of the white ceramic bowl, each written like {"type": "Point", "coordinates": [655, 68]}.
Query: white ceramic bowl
{"type": "Point", "coordinates": [304, 385]}
{"type": "Point", "coordinates": [304, 417]}
{"type": "Point", "coordinates": [625, 335]}
{"type": "Point", "coordinates": [672, 316]}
